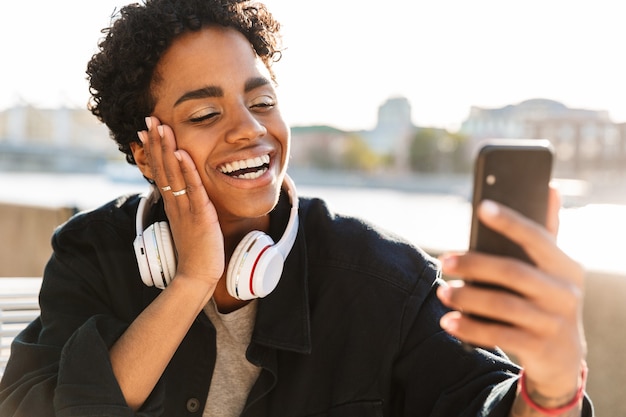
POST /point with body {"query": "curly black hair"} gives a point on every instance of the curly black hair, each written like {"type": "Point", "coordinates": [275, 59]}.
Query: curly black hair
{"type": "Point", "coordinates": [121, 73]}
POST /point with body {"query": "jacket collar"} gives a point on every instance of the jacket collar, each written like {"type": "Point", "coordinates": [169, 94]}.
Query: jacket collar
{"type": "Point", "coordinates": [283, 317]}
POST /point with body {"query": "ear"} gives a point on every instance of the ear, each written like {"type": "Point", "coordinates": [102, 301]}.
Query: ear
{"type": "Point", "coordinates": [141, 159]}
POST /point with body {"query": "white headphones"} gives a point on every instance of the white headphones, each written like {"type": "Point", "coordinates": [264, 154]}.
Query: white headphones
{"type": "Point", "coordinates": [253, 271]}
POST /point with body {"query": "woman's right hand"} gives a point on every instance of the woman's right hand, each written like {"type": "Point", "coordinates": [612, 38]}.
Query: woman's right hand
{"type": "Point", "coordinates": [192, 217]}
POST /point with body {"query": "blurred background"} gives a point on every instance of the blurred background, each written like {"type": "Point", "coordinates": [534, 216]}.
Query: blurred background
{"type": "Point", "coordinates": [387, 103]}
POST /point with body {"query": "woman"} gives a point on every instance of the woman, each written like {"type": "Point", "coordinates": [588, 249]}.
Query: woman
{"type": "Point", "coordinates": [353, 327]}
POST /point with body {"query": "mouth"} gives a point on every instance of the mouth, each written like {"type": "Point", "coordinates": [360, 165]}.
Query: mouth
{"type": "Point", "coordinates": [247, 169]}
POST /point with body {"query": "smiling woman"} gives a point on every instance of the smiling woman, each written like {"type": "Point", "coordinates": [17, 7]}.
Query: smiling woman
{"type": "Point", "coordinates": [178, 300]}
{"type": "Point", "coordinates": [238, 120]}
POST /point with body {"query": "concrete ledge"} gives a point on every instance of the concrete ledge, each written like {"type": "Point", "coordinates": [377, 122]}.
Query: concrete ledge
{"type": "Point", "coordinates": [604, 315]}
{"type": "Point", "coordinates": [26, 232]}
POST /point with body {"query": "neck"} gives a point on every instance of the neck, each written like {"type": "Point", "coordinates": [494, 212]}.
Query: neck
{"type": "Point", "coordinates": [224, 301]}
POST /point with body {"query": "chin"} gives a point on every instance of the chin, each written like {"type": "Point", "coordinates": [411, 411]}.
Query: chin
{"type": "Point", "coordinates": [253, 205]}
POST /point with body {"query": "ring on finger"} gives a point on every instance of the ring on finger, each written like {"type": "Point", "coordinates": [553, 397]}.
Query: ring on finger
{"type": "Point", "coordinates": [179, 193]}
{"type": "Point", "coordinates": [166, 188]}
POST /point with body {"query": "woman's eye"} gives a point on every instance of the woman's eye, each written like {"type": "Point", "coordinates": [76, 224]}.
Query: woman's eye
{"type": "Point", "coordinates": [202, 116]}
{"type": "Point", "coordinates": [263, 103]}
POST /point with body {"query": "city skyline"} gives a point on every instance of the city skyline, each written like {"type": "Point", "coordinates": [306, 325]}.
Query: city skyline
{"type": "Point", "coordinates": [444, 57]}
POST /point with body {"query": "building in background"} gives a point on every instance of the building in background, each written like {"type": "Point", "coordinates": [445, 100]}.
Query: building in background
{"type": "Point", "coordinates": [66, 139]}
{"type": "Point", "coordinates": [57, 139]}
{"type": "Point", "coordinates": [584, 140]}
{"type": "Point", "coordinates": [323, 146]}
{"type": "Point", "coordinates": [393, 132]}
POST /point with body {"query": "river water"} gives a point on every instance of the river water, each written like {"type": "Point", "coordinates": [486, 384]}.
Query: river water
{"type": "Point", "coordinates": [593, 234]}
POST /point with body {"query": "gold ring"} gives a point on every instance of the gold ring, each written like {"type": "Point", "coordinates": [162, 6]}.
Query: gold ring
{"type": "Point", "coordinates": [166, 188]}
{"type": "Point", "coordinates": [179, 193]}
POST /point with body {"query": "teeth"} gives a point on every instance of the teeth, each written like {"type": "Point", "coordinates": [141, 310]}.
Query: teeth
{"type": "Point", "coordinates": [257, 162]}
{"type": "Point", "coordinates": [252, 175]}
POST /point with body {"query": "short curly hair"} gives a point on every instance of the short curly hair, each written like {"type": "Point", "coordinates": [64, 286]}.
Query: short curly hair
{"type": "Point", "coordinates": [121, 73]}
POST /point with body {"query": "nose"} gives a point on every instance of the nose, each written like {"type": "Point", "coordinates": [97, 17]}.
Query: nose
{"type": "Point", "coordinates": [244, 126]}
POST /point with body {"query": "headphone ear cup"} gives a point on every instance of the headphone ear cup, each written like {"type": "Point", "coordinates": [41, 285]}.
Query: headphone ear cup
{"type": "Point", "coordinates": [269, 267]}
{"type": "Point", "coordinates": [142, 261]}
{"type": "Point", "coordinates": [247, 276]}
{"type": "Point", "coordinates": [167, 254]}
{"type": "Point", "coordinates": [156, 257]}
{"type": "Point", "coordinates": [155, 265]}
{"type": "Point", "coordinates": [149, 242]}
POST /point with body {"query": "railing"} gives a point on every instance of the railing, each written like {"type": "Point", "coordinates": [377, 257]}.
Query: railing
{"type": "Point", "coordinates": [18, 306]}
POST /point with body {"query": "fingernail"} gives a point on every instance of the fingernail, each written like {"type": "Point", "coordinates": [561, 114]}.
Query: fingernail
{"type": "Point", "coordinates": [448, 262]}
{"type": "Point", "coordinates": [448, 324]}
{"type": "Point", "coordinates": [178, 156]}
{"type": "Point", "coordinates": [160, 130]}
{"type": "Point", "coordinates": [140, 135]}
{"type": "Point", "coordinates": [444, 292]}
{"type": "Point", "coordinates": [149, 122]}
{"type": "Point", "coordinates": [489, 208]}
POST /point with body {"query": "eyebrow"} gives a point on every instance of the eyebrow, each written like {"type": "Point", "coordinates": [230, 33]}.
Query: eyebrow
{"type": "Point", "coordinates": [204, 92]}
{"type": "Point", "coordinates": [255, 82]}
{"type": "Point", "coordinates": [215, 91]}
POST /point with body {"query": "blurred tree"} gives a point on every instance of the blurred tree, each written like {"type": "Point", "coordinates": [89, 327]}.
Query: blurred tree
{"type": "Point", "coordinates": [321, 157]}
{"type": "Point", "coordinates": [358, 156]}
{"type": "Point", "coordinates": [437, 150]}
{"type": "Point", "coordinates": [423, 152]}
{"type": "Point", "coordinates": [456, 156]}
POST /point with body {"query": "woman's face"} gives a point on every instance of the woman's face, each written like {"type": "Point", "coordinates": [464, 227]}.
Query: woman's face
{"type": "Point", "coordinates": [216, 94]}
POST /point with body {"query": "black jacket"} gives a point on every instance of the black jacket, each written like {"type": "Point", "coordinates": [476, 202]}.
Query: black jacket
{"type": "Point", "coordinates": [351, 330]}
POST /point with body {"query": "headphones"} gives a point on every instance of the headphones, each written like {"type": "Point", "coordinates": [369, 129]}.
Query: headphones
{"type": "Point", "coordinates": [254, 268]}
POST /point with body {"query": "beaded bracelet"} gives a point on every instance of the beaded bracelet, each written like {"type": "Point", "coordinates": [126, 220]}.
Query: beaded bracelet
{"type": "Point", "coordinates": [554, 411]}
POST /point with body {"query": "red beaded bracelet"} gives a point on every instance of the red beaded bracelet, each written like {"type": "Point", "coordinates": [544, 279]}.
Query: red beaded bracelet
{"type": "Point", "coordinates": [555, 411]}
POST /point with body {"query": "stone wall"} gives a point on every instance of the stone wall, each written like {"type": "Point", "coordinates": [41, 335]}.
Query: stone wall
{"type": "Point", "coordinates": [603, 315]}
{"type": "Point", "coordinates": [25, 233]}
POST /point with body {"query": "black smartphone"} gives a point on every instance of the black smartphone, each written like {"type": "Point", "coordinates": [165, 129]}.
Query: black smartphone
{"type": "Point", "coordinates": [516, 173]}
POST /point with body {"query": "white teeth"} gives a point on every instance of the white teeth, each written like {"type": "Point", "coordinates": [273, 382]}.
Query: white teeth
{"type": "Point", "coordinates": [257, 162]}
{"type": "Point", "coordinates": [252, 175]}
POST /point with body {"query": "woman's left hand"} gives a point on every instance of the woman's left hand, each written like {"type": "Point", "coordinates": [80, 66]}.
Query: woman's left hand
{"type": "Point", "coordinates": [539, 321]}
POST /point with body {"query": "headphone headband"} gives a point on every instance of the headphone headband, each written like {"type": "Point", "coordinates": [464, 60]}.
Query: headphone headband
{"type": "Point", "coordinates": [286, 242]}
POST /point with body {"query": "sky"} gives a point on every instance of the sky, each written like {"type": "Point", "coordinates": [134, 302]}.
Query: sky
{"type": "Point", "coordinates": [345, 58]}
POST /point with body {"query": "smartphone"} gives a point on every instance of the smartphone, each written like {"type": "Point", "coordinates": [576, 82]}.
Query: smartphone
{"type": "Point", "coordinates": [516, 173]}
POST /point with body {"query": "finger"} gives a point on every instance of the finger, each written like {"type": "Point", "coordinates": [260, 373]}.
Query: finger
{"type": "Point", "coordinates": [152, 149]}
{"type": "Point", "coordinates": [550, 293]}
{"type": "Point", "coordinates": [486, 318]}
{"type": "Point", "coordinates": [159, 152]}
{"type": "Point", "coordinates": [493, 304]}
{"type": "Point", "coordinates": [536, 241]}
{"type": "Point", "coordinates": [554, 206]}
{"type": "Point", "coordinates": [196, 193]}
{"type": "Point", "coordinates": [488, 334]}
{"type": "Point", "coordinates": [486, 313]}
{"type": "Point", "coordinates": [173, 176]}
{"type": "Point", "coordinates": [513, 225]}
